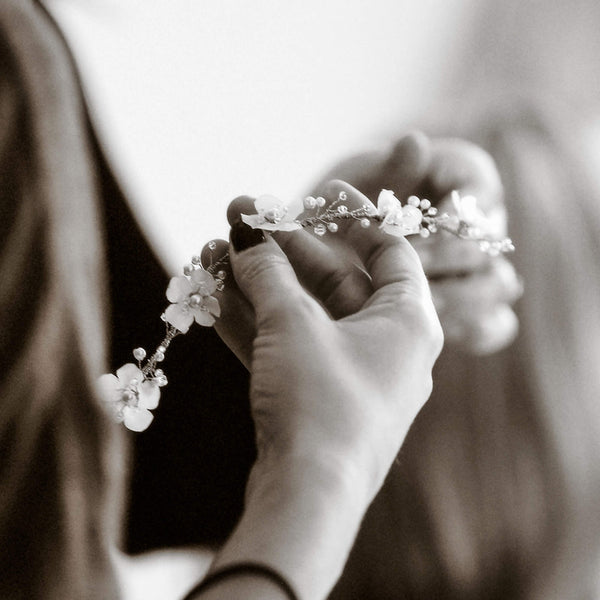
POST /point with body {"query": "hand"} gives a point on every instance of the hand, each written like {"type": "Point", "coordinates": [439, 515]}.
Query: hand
{"type": "Point", "coordinates": [332, 399]}
{"type": "Point", "coordinates": [301, 354]}
{"type": "Point", "coordinates": [472, 292]}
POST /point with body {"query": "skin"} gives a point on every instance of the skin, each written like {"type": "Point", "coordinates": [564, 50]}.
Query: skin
{"type": "Point", "coordinates": [332, 399]}
{"type": "Point", "coordinates": [472, 292]}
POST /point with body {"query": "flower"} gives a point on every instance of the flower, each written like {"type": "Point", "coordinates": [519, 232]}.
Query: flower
{"type": "Point", "coordinates": [130, 395]}
{"type": "Point", "coordinates": [274, 215]}
{"type": "Point", "coordinates": [467, 210]}
{"type": "Point", "coordinates": [397, 220]}
{"type": "Point", "coordinates": [192, 300]}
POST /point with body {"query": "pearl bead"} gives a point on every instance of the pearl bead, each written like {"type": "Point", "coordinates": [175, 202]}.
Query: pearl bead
{"type": "Point", "coordinates": [364, 223]}
{"type": "Point", "coordinates": [188, 270]}
{"type": "Point", "coordinates": [320, 229]}
{"type": "Point", "coordinates": [195, 300]}
{"type": "Point", "coordinates": [342, 209]}
{"type": "Point", "coordinates": [425, 204]}
{"type": "Point", "coordinates": [159, 356]}
{"type": "Point", "coordinates": [320, 201]}
{"type": "Point", "coordinates": [342, 196]}
{"type": "Point", "coordinates": [309, 202]}
{"type": "Point", "coordinates": [139, 354]}
{"type": "Point", "coordinates": [424, 233]}
{"type": "Point", "coordinates": [413, 201]}
{"type": "Point", "coordinates": [161, 349]}
{"type": "Point", "coordinates": [333, 227]}
{"type": "Point", "coordinates": [221, 274]}
{"type": "Point", "coordinates": [212, 245]}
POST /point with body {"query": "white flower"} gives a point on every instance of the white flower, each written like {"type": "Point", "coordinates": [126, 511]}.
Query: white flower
{"type": "Point", "coordinates": [398, 220]}
{"type": "Point", "coordinates": [192, 300]}
{"type": "Point", "coordinates": [131, 397]}
{"type": "Point", "coordinates": [467, 210]}
{"type": "Point", "coordinates": [274, 215]}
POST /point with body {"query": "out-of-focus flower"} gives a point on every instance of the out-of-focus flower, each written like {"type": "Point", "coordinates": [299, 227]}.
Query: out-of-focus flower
{"type": "Point", "coordinates": [192, 300]}
{"type": "Point", "coordinates": [467, 210]}
{"type": "Point", "coordinates": [274, 215]}
{"type": "Point", "coordinates": [398, 220]}
{"type": "Point", "coordinates": [129, 396]}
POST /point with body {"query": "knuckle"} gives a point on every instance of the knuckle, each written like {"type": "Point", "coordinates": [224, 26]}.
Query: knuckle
{"type": "Point", "coordinates": [260, 266]}
{"type": "Point", "coordinates": [420, 316]}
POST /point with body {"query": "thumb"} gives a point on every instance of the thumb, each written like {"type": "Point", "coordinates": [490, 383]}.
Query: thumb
{"type": "Point", "coordinates": [263, 273]}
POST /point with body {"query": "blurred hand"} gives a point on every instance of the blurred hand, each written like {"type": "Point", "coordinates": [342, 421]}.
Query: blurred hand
{"type": "Point", "coordinates": [472, 292]}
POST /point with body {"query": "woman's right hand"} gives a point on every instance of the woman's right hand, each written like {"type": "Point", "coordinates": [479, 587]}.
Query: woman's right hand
{"type": "Point", "coordinates": [332, 399]}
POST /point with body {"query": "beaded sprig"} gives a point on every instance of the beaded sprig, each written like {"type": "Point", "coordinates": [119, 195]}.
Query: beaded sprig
{"type": "Point", "coordinates": [134, 391]}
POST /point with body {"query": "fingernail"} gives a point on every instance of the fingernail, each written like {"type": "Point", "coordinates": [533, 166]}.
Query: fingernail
{"type": "Point", "coordinates": [243, 236]}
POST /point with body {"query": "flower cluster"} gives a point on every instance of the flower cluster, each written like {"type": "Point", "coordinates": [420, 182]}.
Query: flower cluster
{"type": "Point", "coordinates": [417, 216]}
{"type": "Point", "coordinates": [135, 390]}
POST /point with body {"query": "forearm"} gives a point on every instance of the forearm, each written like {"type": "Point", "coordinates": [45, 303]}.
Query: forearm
{"type": "Point", "coordinates": [301, 519]}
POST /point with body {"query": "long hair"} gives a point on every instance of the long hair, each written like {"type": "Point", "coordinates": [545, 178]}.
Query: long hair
{"type": "Point", "coordinates": [495, 494]}
{"type": "Point", "coordinates": [59, 455]}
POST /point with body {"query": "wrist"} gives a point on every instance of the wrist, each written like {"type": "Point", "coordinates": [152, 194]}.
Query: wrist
{"type": "Point", "coordinates": [301, 518]}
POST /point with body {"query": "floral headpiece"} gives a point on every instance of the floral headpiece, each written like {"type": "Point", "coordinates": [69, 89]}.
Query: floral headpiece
{"type": "Point", "coordinates": [134, 391]}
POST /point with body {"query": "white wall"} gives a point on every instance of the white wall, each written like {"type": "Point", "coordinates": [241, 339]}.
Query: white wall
{"type": "Point", "coordinates": [198, 102]}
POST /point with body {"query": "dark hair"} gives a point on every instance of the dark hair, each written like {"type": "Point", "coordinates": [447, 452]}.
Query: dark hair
{"type": "Point", "coordinates": [60, 456]}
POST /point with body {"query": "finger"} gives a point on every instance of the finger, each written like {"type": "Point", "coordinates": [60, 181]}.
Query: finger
{"type": "Point", "coordinates": [460, 165]}
{"type": "Point", "coordinates": [236, 324]}
{"type": "Point", "coordinates": [265, 276]}
{"type": "Point", "coordinates": [387, 259]}
{"type": "Point", "coordinates": [407, 165]}
{"type": "Point", "coordinates": [399, 169]}
{"type": "Point", "coordinates": [484, 333]}
{"type": "Point", "coordinates": [479, 291]}
{"type": "Point", "coordinates": [445, 255]}
{"type": "Point", "coordinates": [326, 272]}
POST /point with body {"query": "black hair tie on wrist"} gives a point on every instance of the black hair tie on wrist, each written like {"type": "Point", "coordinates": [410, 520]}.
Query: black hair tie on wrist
{"type": "Point", "coordinates": [242, 568]}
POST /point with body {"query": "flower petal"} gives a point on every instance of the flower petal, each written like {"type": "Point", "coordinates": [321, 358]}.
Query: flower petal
{"type": "Point", "coordinates": [203, 317]}
{"type": "Point", "coordinates": [395, 230]}
{"type": "Point", "coordinates": [128, 372]}
{"type": "Point", "coordinates": [255, 221]}
{"type": "Point", "coordinates": [205, 283]}
{"type": "Point", "coordinates": [149, 395]}
{"type": "Point", "coordinates": [456, 201]}
{"type": "Point", "coordinates": [179, 288]}
{"type": "Point", "coordinates": [179, 318]}
{"type": "Point", "coordinates": [281, 226]}
{"type": "Point", "coordinates": [107, 387]}
{"type": "Point", "coordinates": [387, 202]}
{"type": "Point", "coordinates": [137, 419]}
{"type": "Point", "coordinates": [212, 305]}
{"type": "Point", "coordinates": [411, 218]}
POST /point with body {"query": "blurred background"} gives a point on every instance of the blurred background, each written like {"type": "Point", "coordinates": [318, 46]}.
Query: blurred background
{"type": "Point", "coordinates": [198, 102]}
